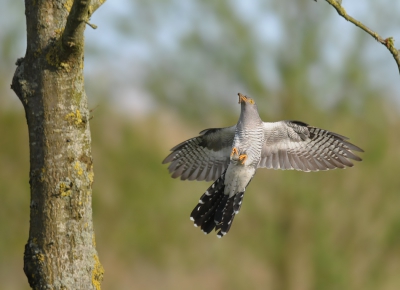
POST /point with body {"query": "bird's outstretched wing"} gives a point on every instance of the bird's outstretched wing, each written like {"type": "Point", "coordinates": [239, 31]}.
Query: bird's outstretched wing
{"type": "Point", "coordinates": [296, 145]}
{"type": "Point", "coordinates": [204, 157]}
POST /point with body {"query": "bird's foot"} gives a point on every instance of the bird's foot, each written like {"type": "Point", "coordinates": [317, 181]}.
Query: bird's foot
{"type": "Point", "coordinates": [242, 158]}
{"type": "Point", "coordinates": [234, 152]}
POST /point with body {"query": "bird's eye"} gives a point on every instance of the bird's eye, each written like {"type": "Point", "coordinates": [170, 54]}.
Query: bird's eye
{"type": "Point", "coordinates": [251, 101]}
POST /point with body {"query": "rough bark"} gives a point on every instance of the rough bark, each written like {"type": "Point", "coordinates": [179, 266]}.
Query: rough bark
{"type": "Point", "coordinates": [60, 252]}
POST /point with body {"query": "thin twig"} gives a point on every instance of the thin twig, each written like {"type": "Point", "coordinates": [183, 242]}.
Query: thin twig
{"type": "Point", "coordinates": [93, 26]}
{"type": "Point", "coordinates": [388, 42]}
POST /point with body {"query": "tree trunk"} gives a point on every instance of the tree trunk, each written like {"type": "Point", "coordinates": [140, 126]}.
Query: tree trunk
{"type": "Point", "coordinates": [60, 252]}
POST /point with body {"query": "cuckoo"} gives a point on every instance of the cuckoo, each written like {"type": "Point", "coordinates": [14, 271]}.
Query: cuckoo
{"type": "Point", "coordinates": [230, 157]}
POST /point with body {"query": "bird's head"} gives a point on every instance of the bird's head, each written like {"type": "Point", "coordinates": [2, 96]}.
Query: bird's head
{"type": "Point", "coordinates": [244, 100]}
{"type": "Point", "coordinates": [249, 109]}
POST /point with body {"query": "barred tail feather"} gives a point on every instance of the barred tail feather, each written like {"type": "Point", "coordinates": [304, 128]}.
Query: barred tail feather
{"type": "Point", "coordinates": [238, 202]}
{"type": "Point", "coordinates": [215, 209]}
{"type": "Point", "coordinates": [211, 203]}
{"type": "Point", "coordinates": [225, 218]}
{"type": "Point", "coordinates": [203, 213]}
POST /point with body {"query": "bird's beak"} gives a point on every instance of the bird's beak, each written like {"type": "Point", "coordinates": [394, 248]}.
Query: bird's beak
{"type": "Point", "coordinates": [242, 98]}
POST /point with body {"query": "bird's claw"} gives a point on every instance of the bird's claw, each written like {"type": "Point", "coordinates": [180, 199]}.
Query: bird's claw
{"type": "Point", "coordinates": [242, 158]}
{"type": "Point", "coordinates": [234, 152]}
{"type": "Point", "coordinates": [235, 156]}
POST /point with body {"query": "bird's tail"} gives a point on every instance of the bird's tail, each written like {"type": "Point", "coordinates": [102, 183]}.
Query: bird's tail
{"type": "Point", "coordinates": [215, 209]}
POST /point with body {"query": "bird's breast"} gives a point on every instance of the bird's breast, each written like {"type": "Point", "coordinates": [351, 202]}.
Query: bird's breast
{"type": "Point", "coordinates": [250, 142]}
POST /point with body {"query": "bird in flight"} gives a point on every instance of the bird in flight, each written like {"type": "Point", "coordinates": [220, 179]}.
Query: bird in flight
{"type": "Point", "coordinates": [230, 157]}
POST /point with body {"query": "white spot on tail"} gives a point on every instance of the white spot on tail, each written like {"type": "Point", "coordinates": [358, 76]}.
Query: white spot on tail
{"type": "Point", "coordinates": [191, 218]}
{"type": "Point", "coordinates": [221, 234]}
{"type": "Point", "coordinates": [195, 225]}
{"type": "Point", "coordinates": [201, 202]}
{"type": "Point", "coordinates": [207, 193]}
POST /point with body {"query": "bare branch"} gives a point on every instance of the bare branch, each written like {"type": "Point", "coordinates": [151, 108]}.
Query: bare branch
{"type": "Point", "coordinates": [72, 37]}
{"type": "Point", "coordinates": [79, 15]}
{"type": "Point", "coordinates": [388, 42]}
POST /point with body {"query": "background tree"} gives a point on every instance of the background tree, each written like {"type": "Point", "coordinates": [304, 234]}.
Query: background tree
{"type": "Point", "coordinates": [60, 252]}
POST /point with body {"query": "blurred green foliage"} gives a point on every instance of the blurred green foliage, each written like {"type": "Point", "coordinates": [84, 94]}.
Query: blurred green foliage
{"type": "Point", "coordinates": [327, 230]}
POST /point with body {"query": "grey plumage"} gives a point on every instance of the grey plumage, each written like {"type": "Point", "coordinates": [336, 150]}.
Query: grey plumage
{"type": "Point", "coordinates": [231, 156]}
